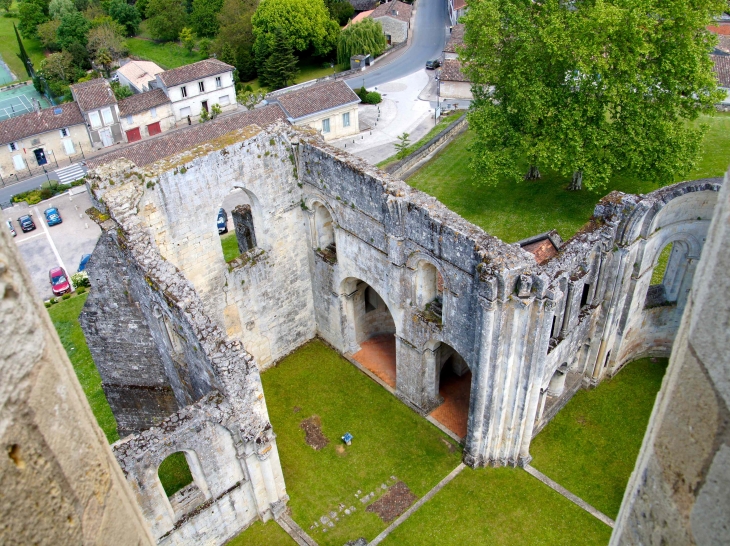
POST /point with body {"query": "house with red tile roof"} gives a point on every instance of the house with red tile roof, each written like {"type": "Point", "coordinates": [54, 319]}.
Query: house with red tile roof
{"type": "Point", "coordinates": [395, 17]}
{"type": "Point", "coordinates": [98, 104]}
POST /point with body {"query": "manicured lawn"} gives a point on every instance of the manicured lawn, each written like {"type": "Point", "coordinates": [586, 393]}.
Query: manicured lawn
{"type": "Point", "coordinates": [174, 473]}
{"type": "Point", "coordinates": [657, 275]}
{"type": "Point", "coordinates": [440, 126]}
{"type": "Point", "coordinates": [307, 71]}
{"type": "Point", "coordinates": [9, 47]}
{"type": "Point", "coordinates": [65, 317]}
{"type": "Point", "coordinates": [230, 246]}
{"type": "Point", "coordinates": [517, 211]}
{"type": "Point", "coordinates": [499, 506]}
{"type": "Point", "coordinates": [389, 440]}
{"type": "Point", "coordinates": [263, 534]}
{"type": "Point", "coordinates": [167, 55]}
{"type": "Point", "coordinates": [591, 445]}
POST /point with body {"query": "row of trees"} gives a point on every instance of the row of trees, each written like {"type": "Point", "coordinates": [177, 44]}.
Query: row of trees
{"type": "Point", "coordinates": [589, 88]}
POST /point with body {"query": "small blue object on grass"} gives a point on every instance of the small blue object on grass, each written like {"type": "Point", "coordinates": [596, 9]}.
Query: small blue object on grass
{"type": "Point", "coordinates": [347, 438]}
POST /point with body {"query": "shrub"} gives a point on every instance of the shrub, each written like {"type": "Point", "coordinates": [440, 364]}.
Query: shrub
{"type": "Point", "coordinates": [47, 304]}
{"type": "Point", "coordinates": [81, 279]}
{"type": "Point", "coordinates": [80, 290]}
{"type": "Point", "coordinates": [65, 296]}
{"type": "Point", "coordinates": [372, 98]}
{"type": "Point", "coordinates": [53, 301]}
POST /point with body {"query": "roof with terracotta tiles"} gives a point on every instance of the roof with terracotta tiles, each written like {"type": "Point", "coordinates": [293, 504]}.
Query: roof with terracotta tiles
{"type": "Point", "coordinates": [148, 151]}
{"type": "Point", "coordinates": [142, 101]}
{"type": "Point", "coordinates": [36, 123]}
{"type": "Point", "coordinates": [195, 71]}
{"type": "Point", "coordinates": [721, 66]}
{"type": "Point", "coordinates": [316, 98]}
{"type": "Point", "coordinates": [451, 71]}
{"type": "Point", "coordinates": [456, 38]}
{"type": "Point", "coordinates": [395, 9]}
{"type": "Point", "coordinates": [93, 94]}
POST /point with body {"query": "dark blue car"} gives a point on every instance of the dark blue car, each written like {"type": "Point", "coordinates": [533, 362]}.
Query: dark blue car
{"type": "Point", "coordinates": [222, 222]}
{"type": "Point", "coordinates": [52, 216]}
{"type": "Point", "coordinates": [83, 262]}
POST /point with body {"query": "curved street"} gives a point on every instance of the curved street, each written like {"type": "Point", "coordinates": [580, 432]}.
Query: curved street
{"type": "Point", "coordinates": [430, 31]}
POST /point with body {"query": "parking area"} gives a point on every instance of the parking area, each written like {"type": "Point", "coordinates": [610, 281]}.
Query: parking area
{"type": "Point", "coordinates": [59, 245]}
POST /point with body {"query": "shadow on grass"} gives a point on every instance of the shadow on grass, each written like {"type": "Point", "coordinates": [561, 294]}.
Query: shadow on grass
{"type": "Point", "coordinates": [390, 440]}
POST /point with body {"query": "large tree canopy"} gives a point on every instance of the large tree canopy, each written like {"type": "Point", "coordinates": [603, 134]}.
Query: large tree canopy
{"type": "Point", "coordinates": [588, 87]}
{"type": "Point", "coordinates": [74, 28]}
{"type": "Point", "coordinates": [166, 19]}
{"type": "Point", "coordinates": [204, 17]}
{"type": "Point", "coordinates": [126, 15]}
{"type": "Point", "coordinates": [365, 37]}
{"type": "Point", "coordinates": [306, 23]}
{"type": "Point", "coordinates": [236, 33]}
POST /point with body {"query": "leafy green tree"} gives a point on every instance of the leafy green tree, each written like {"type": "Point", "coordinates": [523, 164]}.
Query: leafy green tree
{"type": "Point", "coordinates": [6, 5]}
{"type": "Point", "coordinates": [215, 110]}
{"type": "Point", "coordinates": [187, 38]}
{"type": "Point", "coordinates": [204, 45]}
{"type": "Point", "coordinates": [365, 37]}
{"type": "Point", "coordinates": [58, 66]}
{"type": "Point", "coordinates": [120, 91]}
{"type": "Point", "coordinates": [126, 15]}
{"type": "Point", "coordinates": [31, 14]}
{"type": "Point", "coordinates": [306, 23]}
{"type": "Point", "coordinates": [280, 68]}
{"type": "Point", "coordinates": [402, 145]}
{"type": "Point", "coordinates": [340, 10]}
{"type": "Point", "coordinates": [588, 88]}
{"type": "Point", "coordinates": [59, 8]}
{"type": "Point", "coordinates": [166, 19]}
{"type": "Point", "coordinates": [249, 98]}
{"type": "Point", "coordinates": [236, 32]}
{"type": "Point", "coordinates": [107, 35]}
{"type": "Point", "coordinates": [47, 34]}
{"type": "Point", "coordinates": [204, 17]}
{"type": "Point", "coordinates": [104, 60]}
{"type": "Point", "coordinates": [74, 27]}
{"type": "Point", "coordinates": [141, 6]}
{"type": "Point", "coordinates": [80, 55]}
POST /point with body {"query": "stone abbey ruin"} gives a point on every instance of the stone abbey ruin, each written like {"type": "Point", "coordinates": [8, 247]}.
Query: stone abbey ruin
{"type": "Point", "coordinates": [336, 249]}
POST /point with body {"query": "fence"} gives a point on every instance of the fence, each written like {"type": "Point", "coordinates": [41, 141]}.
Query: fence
{"type": "Point", "coordinates": [404, 166]}
{"type": "Point", "coordinates": [36, 170]}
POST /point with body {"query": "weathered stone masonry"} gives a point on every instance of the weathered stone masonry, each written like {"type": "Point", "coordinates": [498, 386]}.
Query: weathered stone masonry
{"type": "Point", "coordinates": [328, 227]}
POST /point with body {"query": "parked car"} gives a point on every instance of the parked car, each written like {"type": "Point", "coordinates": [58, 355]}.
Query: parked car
{"type": "Point", "coordinates": [26, 223]}
{"type": "Point", "coordinates": [59, 281]}
{"type": "Point", "coordinates": [52, 216]}
{"type": "Point", "coordinates": [222, 221]}
{"type": "Point", "coordinates": [84, 260]}
{"type": "Point", "coordinates": [433, 65]}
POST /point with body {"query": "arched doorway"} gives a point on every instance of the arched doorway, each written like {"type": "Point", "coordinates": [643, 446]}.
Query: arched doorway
{"type": "Point", "coordinates": [452, 386]}
{"type": "Point", "coordinates": [374, 330]}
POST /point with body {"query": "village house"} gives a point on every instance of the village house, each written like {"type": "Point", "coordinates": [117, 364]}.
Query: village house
{"type": "Point", "coordinates": [43, 137]}
{"type": "Point", "coordinates": [99, 107]}
{"type": "Point", "coordinates": [330, 108]}
{"type": "Point", "coordinates": [457, 8]}
{"type": "Point", "coordinates": [137, 75]}
{"type": "Point", "coordinates": [721, 66]}
{"type": "Point", "coordinates": [395, 17]}
{"type": "Point", "coordinates": [146, 114]}
{"type": "Point", "coordinates": [196, 87]}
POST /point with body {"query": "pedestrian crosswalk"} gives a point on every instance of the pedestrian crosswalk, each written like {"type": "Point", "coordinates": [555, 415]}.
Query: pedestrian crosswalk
{"type": "Point", "coordinates": [71, 173]}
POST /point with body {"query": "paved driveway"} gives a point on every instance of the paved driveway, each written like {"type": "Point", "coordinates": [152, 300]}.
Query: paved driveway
{"type": "Point", "coordinates": [63, 244]}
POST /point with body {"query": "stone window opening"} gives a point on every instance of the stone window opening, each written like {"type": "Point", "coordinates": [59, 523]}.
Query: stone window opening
{"type": "Point", "coordinates": [182, 480]}
{"type": "Point", "coordinates": [584, 296]}
{"type": "Point", "coordinates": [429, 291]}
{"type": "Point", "coordinates": [324, 231]}
{"type": "Point", "coordinates": [451, 388]}
{"type": "Point", "coordinates": [240, 233]}
{"type": "Point", "coordinates": [372, 300]}
{"type": "Point", "coordinates": [668, 275]}
{"type": "Point", "coordinates": [556, 387]}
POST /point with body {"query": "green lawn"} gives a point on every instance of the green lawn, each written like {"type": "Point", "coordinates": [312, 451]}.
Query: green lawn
{"type": "Point", "coordinates": [263, 534]}
{"type": "Point", "coordinates": [440, 126]}
{"type": "Point", "coordinates": [230, 246]}
{"type": "Point", "coordinates": [65, 317]}
{"type": "Point", "coordinates": [167, 55]}
{"type": "Point", "coordinates": [517, 211]}
{"type": "Point", "coordinates": [9, 47]}
{"type": "Point", "coordinates": [307, 71]}
{"type": "Point", "coordinates": [591, 445]}
{"type": "Point", "coordinates": [499, 506]}
{"type": "Point", "coordinates": [657, 275]}
{"type": "Point", "coordinates": [174, 473]}
{"type": "Point", "coordinates": [389, 440]}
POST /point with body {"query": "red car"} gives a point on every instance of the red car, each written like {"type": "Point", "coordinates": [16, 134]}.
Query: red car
{"type": "Point", "coordinates": [59, 281]}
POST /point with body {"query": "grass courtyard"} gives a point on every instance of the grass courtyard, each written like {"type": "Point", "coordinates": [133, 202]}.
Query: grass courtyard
{"type": "Point", "coordinates": [517, 211]}
{"type": "Point", "coordinates": [9, 49]}
{"type": "Point", "coordinates": [590, 447]}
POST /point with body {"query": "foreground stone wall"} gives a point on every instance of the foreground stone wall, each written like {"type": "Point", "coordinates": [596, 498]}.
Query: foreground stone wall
{"type": "Point", "coordinates": [678, 492]}
{"type": "Point", "coordinates": [60, 482]}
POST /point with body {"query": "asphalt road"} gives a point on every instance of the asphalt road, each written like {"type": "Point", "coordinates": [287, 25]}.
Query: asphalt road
{"type": "Point", "coordinates": [63, 244]}
{"type": "Point", "coordinates": [430, 33]}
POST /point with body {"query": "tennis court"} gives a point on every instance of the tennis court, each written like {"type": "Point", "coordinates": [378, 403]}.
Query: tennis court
{"type": "Point", "coordinates": [18, 100]}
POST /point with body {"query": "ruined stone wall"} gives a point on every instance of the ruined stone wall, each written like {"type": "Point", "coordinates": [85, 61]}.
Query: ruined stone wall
{"type": "Point", "coordinates": [60, 482]}
{"type": "Point", "coordinates": [678, 492]}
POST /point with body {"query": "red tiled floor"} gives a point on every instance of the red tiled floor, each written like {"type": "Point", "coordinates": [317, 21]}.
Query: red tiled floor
{"type": "Point", "coordinates": [454, 412]}
{"type": "Point", "coordinates": [377, 354]}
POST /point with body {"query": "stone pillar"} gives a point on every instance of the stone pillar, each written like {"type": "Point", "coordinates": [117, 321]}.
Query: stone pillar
{"type": "Point", "coordinates": [678, 492]}
{"type": "Point", "coordinates": [244, 228]}
{"type": "Point", "coordinates": [60, 481]}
